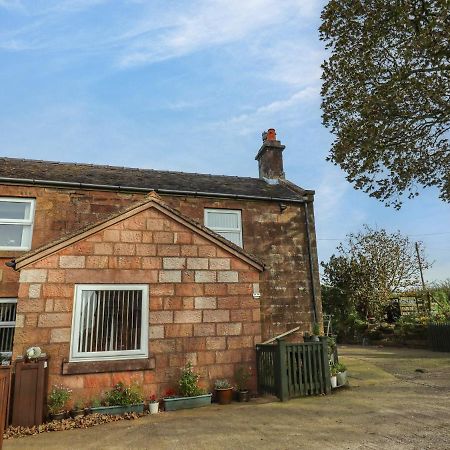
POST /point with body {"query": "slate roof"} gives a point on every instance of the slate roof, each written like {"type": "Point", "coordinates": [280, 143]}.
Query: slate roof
{"type": "Point", "coordinates": [49, 171]}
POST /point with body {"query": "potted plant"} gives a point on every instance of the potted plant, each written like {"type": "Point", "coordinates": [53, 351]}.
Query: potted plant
{"type": "Point", "coordinates": [191, 394]}
{"type": "Point", "coordinates": [224, 391]}
{"type": "Point", "coordinates": [77, 409]}
{"type": "Point", "coordinates": [241, 376]}
{"type": "Point", "coordinates": [153, 404]}
{"type": "Point", "coordinates": [121, 399]}
{"type": "Point", "coordinates": [341, 374]}
{"type": "Point", "coordinates": [315, 332]}
{"type": "Point", "coordinates": [57, 401]}
{"type": "Point", "coordinates": [333, 374]}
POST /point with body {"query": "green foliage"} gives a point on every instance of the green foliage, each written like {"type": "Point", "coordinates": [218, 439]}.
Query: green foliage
{"type": "Point", "coordinates": [340, 367]}
{"type": "Point", "coordinates": [96, 403]}
{"type": "Point", "coordinates": [333, 370]}
{"type": "Point", "coordinates": [78, 404]}
{"type": "Point", "coordinates": [241, 376]}
{"type": "Point", "coordinates": [370, 266]}
{"type": "Point", "coordinates": [188, 383]}
{"type": "Point", "coordinates": [58, 399]}
{"type": "Point", "coordinates": [222, 384]}
{"type": "Point", "coordinates": [440, 295]}
{"type": "Point", "coordinates": [122, 395]}
{"type": "Point", "coordinates": [385, 94]}
{"type": "Point", "coordinates": [412, 326]}
{"type": "Point", "coordinates": [316, 329]}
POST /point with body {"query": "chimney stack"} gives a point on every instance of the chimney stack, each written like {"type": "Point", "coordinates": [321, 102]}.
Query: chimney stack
{"type": "Point", "coordinates": [270, 157]}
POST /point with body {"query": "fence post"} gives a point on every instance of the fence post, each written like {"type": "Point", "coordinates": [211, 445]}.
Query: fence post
{"type": "Point", "coordinates": [281, 368]}
{"type": "Point", "coordinates": [326, 364]}
{"type": "Point", "coordinates": [258, 370]}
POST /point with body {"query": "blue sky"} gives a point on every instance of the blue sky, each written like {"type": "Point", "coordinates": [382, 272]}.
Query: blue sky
{"type": "Point", "coordinates": [190, 86]}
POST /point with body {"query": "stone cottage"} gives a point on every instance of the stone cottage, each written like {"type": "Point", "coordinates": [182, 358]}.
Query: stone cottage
{"type": "Point", "coordinates": [127, 274]}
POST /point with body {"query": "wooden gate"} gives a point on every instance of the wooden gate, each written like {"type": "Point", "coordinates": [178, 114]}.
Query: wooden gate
{"type": "Point", "coordinates": [5, 378]}
{"type": "Point", "coordinates": [30, 393]}
{"type": "Point", "coordinates": [290, 370]}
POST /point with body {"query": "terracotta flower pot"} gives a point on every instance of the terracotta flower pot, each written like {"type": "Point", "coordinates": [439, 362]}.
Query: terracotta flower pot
{"type": "Point", "coordinates": [224, 396]}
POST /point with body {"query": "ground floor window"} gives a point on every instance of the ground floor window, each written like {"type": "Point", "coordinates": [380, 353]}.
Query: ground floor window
{"type": "Point", "coordinates": [7, 325]}
{"type": "Point", "coordinates": [109, 322]}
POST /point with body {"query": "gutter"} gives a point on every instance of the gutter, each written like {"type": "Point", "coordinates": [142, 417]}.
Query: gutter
{"type": "Point", "coordinates": [311, 266]}
{"type": "Point", "coordinates": [110, 187]}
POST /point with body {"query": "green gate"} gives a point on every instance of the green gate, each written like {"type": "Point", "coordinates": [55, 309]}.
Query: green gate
{"type": "Point", "coordinates": [290, 370]}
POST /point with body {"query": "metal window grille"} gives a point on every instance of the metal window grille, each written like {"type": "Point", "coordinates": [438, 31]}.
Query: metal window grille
{"type": "Point", "coordinates": [226, 222]}
{"type": "Point", "coordinates": [110, 322]}
{"type": "Point", "coordinates": [7, 324]}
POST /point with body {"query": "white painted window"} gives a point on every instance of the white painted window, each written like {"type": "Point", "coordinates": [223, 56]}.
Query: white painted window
{"type": "Point", "coordinates": [7, 325]}
{"type": "Point", "coordinates": [109, 322]}
{"type": "Point", "coordinates": [226, 222]}
{"type": "Point", "coordinates": [16, 223]}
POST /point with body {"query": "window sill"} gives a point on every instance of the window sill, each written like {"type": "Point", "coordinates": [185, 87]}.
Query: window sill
{"type": "Point", "coordinates": [123, 365]}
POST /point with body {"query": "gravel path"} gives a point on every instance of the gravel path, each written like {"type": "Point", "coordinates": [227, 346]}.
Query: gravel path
{"type": "Point", "coordinates": [389, 405]}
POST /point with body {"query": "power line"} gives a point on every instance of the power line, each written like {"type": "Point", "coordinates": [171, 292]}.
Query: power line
{"type": "Point", "coordinates": [410, 235]}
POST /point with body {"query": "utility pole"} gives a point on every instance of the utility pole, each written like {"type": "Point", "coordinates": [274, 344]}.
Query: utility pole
{"type": "Point", "coordinates": [420, 265]}
{"type": "Point", "coordinates": [421, 277]}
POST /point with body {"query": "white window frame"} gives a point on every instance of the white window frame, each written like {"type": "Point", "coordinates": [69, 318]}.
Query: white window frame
{"type": "Point", "coordinates": [27, 224]}
{"type": "Point", "coordinates": [218, 230]}
{"type": "Point", "coordinates": [141, 353]}
{"type": "Point", "coordinates": [9, 324]}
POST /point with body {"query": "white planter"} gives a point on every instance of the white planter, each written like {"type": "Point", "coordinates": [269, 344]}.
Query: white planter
{"type": "Point", "coordinates": [334, 381]}
{"type": "Point", "coordinates": [153, 407]}
{"type": "Point", "coordinates": [342, 378]}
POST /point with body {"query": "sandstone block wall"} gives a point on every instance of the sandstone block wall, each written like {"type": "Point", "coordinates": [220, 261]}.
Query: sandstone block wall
{"type": "Point", "coordinates": [201, 307]}
{"type": "Point", "coordinates": [277, 237]}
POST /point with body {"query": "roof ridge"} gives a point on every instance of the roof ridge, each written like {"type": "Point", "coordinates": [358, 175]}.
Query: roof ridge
{"type": "Point", "coordinates": [126, 168]}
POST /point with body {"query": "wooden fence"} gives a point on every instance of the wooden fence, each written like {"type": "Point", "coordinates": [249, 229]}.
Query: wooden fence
{"type": "Point", "coordinates": [5, 379]}
{"type": "Point", "coordinates": [290, 370]}
{"type": "Point", "coordinates": [439, 337]}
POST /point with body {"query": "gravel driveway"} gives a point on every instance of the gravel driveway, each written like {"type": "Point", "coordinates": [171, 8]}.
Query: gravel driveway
{"type": "Point", "coordinates": [397, 399]}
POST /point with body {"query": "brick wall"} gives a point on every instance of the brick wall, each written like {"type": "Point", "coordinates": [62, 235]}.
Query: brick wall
{"type": "Point", "coordinates": [278, 238]}
{"type": "Point", "coordinates": [201, 304]}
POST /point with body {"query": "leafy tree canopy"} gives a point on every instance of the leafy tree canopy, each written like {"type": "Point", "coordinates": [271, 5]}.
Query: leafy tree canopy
{"type": "Point", "coordinates": [386, 94]}
{"type": "Point", "coordinates": [370, 266]}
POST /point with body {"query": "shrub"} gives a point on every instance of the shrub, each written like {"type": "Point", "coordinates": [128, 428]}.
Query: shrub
{"type": "Point", "coordinates": [412, 325]}
{"type": "Point", "coordinates": [58, 399]}
{"type": "Point", "coordinates": [188, 383]}
{"type": "Point", "coordinates": [241, 376]}
{"type": "Point", "coordinates": [121, 395]}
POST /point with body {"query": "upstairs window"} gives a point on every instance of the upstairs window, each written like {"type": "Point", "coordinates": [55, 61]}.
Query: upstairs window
{"type": "Point", "coordinates": [110, 322]}
{"type": "Point", "coordinates": [226, 222]}
{"type": "Point", "coordinates": [16, 223]}
{"type": "Point", "coordinates": [7, 325]}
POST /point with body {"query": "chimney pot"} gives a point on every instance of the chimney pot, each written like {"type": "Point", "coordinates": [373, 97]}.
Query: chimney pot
{"type": "Point", "coordinates": [271, 134]}
{"type": "Point", "coordinates": [270, 157]}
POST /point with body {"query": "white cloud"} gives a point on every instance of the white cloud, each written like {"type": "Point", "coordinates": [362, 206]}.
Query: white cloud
{"type": "Point", "coordinates": [207, 24]}
{"type": "Point", "coordinates": [252, 120]}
